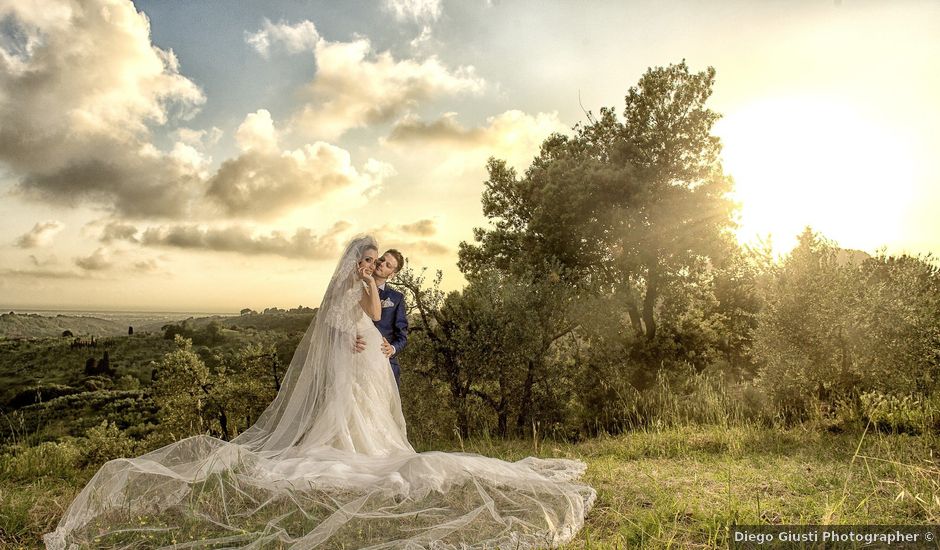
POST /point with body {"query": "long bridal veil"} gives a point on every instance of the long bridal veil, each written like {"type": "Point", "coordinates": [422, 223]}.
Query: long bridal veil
{"type": "Point", "coordinates": [298, 478]}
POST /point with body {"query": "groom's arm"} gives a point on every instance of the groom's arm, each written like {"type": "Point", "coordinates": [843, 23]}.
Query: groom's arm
{"type": "Point", "coordinates": [400, 334]}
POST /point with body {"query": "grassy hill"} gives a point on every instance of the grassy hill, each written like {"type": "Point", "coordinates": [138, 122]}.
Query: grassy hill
{"type": "Point", "coordinates": [33, 325]}
{"type": "Point", "coordinates": [45, 386]}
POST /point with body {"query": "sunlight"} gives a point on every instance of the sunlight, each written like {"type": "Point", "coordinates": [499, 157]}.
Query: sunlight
{"type": "Point", "coordinates": [810, 161]}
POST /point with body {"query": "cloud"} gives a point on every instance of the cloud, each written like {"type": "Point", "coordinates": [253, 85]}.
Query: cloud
{"type": "Point", "coordinates": [79, 89]}
{"type": "Point", "coordinates": [303, 244]}
{"type": "Point", "coordinates": [354, 86]}
{"type": "Point", "coordinates": [97, 261]}
{"type": "Point", "coordinates": [198, 138]}
{"type": "Point", "coordinates": [147, 266]}
{"type": "Point", "coordinates": [513, 135]}
{"type": "Point", "coordinates": [257, 133]}
{"type": "Point", "coordinates": [423, 228]}
{"type": "Point", "coordinates": [416, 10]}
{"type": "Point", "coordinates": [402, 238]}
{"type": "Point", "coordinates": [411, 249]}
{"type": "Point", "coordinates": [292, 38]}
{"type": "Point", "coordinates": [30, 274]}
{"type": "Point", "coordinates": [265, 185]}
{"type": "Point", "coordinates": [423, 41]}
{"type": "Point", "coordinates": [264, 181]}
{"type": "Point", "coordinates": [40, 235]}
{"type": "Point", "coordinates": [424, 247]}
{"type": "Point", "coordinates": [50, 260]}
{"type": "Point", "coordinates": [118, 231]}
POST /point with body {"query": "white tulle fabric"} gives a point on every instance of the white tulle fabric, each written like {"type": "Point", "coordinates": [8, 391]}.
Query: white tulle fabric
{"type": "Point", "coordinates": [327, 465]}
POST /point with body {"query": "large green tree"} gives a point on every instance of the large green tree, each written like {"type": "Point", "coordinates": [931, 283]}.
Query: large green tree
{"type": "Point", "coordinates": [634, 204]}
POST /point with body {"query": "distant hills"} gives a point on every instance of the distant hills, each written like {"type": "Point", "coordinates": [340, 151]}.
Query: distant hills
{"type": "Point", "coordinates": [34, 325]}
{"type": "Point", "coordinates": [27, 325]}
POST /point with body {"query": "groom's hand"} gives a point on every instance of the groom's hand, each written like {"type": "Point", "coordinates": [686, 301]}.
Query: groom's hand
{"type": "Point", "coordinates": [360, 344]}
{"type": "Point", "coordinates": [387, 348]}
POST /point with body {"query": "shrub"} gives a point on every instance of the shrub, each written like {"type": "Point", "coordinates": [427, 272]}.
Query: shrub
{"type": "Point", "coordinates": [912, 414]}
{"type": "Point", "coordinates": [103, 443]}
{"type": "Point", "coordinates": [50, 459]}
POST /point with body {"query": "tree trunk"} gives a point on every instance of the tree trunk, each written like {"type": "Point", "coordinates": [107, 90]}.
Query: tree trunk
{"type": "Point", "coordinates": [277, 380]}
{"type": "Point", "coordinates": [634, 312]}
{"type": "Point", "coordinates": [223, 423]}
{"type": "Point", "coordinates": [525, 407]}
{"type": "Point", "coordinates": [649, 302]}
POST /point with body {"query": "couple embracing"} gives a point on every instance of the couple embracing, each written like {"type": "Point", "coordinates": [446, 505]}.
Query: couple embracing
{"type": "Point", "coordinates": [391, 321]}
{"type": "Point", "coordinates": [328, 464]}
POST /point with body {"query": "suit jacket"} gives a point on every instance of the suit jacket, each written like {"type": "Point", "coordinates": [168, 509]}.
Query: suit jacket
{"type": "Point", "coordinates": [394, 324]}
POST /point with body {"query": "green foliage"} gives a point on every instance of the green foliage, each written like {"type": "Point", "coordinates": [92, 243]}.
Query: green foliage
{"type": "Point", "coordinates": [832, 328]}
{"type": "Point", "coordinates": [209, 335]}
{"type": "Point", "coordinates": [103, 443]}
{"type": "Point", "coordinates": [492, 343]}
{"type": "Point", "coordinates": [180, 389]}
{"type": "Point", "coordinates": [902, 414]}
{"type": "Point", "coordinates": [636, 205]}
{"type": "Point", "coordinates": [222, 401]}
{"type": "Point", "coordinates": [60, 459]}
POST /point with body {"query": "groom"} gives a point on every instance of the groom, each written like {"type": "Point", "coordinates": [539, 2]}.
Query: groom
{"type": "Point", "coordinates": [394, 324]}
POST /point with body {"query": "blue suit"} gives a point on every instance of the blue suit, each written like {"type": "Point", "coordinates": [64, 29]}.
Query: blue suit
{"type": "Point", "coordinates": [393, 325]}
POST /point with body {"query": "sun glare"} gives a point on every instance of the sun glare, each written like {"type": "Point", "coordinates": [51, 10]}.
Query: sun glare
{"type": "Point", "coordinates": [816, 162]}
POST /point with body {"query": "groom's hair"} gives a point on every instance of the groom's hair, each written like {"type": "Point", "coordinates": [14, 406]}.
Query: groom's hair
{"type": "Point", "coordinates": [398, 257]}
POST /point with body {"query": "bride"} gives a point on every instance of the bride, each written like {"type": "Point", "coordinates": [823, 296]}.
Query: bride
{"type": "Point", "coordinates": [327, 465]}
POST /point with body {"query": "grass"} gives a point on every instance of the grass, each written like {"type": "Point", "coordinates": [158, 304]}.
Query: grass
{"type": "Point", "coordinates": [678, 487]}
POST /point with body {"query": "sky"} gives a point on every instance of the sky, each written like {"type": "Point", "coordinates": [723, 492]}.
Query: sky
{"type": "Point", "coordinates": [214, 155]}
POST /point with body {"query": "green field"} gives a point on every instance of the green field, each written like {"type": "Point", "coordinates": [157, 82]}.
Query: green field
{"type": "Point", "coordinates": [681, 485]}
{"type": "Point", "coordinates": [676, 488]}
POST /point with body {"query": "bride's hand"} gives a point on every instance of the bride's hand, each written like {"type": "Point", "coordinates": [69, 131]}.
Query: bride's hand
{"type": "Point", "coordinates": [365, 275]}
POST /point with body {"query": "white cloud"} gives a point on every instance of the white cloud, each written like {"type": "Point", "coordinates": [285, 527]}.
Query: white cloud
{"type": "Point", "coordinates": [423, 41]}
{"type": "Point", "coordinates": [264, 181]}
{"type": "Point", "coordinates": [417, 10]}
{"type": "Point", "coordinates": [79, 86]}
{"type": "Point", "coordinates": [296, 38]}
{"type": "Point", "coordinates": [257, 133]}
{"type": "Point", "coordinates": [40, 235]}
{"type": "Point", "coordinates": [354, 87]}
{"type": "Point", "coordinates": [199, 139]}
{"type": "Point", "coordinates": [513, 135]}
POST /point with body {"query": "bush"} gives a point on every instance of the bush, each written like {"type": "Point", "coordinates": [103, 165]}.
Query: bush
{"type": "Point", "coordinates": [104, 442]}
{"type": "Point", "coordinates": [911, 414]}
{"type": "Point", "coordinates": [50, 459]}
{"type": "Point", "coordinates": [39, 394]}
{"type": "Point", "coordinates": [97, 383]}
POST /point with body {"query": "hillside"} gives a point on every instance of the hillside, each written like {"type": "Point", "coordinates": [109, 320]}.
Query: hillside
{"type": "Point", "coordinates": [33, 325]}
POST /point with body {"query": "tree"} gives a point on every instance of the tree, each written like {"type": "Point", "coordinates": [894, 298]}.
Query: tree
{"type": "Point", "coordinates": [493, 342]}
{"type": "Point", "coordinates": [104, 365]}
{"type": "Point", "coordinates": [91, 367]}
{"type": "Point", "coordinates": [181, 389]}
{"type": "Point", "coordinates": [222, 400]}
{"type": "Point", "coordinates": [636, 205]}
{"type": "Point", "coordinates": [804, 338]}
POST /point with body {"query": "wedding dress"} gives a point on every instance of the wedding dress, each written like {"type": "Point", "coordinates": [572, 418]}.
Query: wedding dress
{"type": "Point", "coordinates": [327, 465]}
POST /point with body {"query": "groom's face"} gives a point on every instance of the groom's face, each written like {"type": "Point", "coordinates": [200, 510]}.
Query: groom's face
{"type": "Point", "coordinates": [385, 266]}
